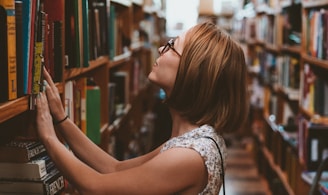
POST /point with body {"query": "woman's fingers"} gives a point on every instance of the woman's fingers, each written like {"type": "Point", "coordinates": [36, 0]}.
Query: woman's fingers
{"type": "Point", "coordinates": [48, 78]}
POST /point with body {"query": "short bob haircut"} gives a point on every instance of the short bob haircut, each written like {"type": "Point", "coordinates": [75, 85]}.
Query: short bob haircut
{"type": "Point", "coordinates": [211, 82]}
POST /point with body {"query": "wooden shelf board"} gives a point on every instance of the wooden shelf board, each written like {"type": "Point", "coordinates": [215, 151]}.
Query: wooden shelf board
{"type": "Point", "coordinates": [13, 108]}
{"type": "Point", "coordinates": [120, 59]}
{"type": "Point", "coordinates": [315, 61]}
{"type": "Point", "coordinates": [75, 72]}
{"type": "Point", "coordinates": [295, 49]}
{"type": "Point", "coordinates": [272, 48]}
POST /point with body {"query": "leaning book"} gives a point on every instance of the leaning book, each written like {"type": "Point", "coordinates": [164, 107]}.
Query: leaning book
{"type": "Point", "coordinates": [51, 184]}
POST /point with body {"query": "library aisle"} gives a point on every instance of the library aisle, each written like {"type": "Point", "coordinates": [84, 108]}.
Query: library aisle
{"type": "Point", "coordinates": [242, 177]}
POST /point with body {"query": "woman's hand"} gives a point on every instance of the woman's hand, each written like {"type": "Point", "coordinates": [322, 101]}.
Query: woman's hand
{"type": "Point", "coordinates": [54, 101]}
{"type": "Point", "coordinates": [44, 123]}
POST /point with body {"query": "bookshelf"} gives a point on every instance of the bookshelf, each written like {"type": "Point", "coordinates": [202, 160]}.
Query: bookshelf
{"type": "Point", "coordinates": [127, 44]}
{"type": "Point", "coordinates": [285, 49]}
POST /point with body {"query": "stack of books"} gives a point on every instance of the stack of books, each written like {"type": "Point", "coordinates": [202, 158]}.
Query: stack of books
{"type": "Point", "coordinates": [25, 168]}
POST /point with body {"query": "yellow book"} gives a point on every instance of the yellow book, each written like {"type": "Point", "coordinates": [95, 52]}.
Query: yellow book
{"type": "Point", "coordinates": [9, 6]}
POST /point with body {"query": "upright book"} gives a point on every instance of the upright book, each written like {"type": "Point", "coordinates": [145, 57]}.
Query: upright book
{"type": "Point", "coordinates": [3, 55]}
{"type": "Point", "coordinates": [93, 113]}
{"type": "Point", "coordinates": [9, 6]}
{"type": "Point", "coordinates": [39, 52]}
{"type": "Point", "coordinates": [28, 14]}
{"type": "Point", "coordinates": [55, 51]}
{"type": "Point", "coordinates": [19, 47]}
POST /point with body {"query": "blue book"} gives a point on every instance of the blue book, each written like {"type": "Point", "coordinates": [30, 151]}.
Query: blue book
{"type": "Point", "coordinates": [27, 23]}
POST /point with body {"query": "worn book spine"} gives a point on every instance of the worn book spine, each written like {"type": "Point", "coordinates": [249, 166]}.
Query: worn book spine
{"type": "Point", "coordinates": [38, 53]}
{"type": "Point", "coordinates": [21, 151]}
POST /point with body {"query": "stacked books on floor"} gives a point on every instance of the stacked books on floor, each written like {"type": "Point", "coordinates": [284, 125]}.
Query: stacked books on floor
{"type": "Point", "coordinates": [25, 168]}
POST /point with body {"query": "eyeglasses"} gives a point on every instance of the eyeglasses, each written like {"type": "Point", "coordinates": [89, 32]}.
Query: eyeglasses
{"type": "Point", "coordinates": [169, 45]}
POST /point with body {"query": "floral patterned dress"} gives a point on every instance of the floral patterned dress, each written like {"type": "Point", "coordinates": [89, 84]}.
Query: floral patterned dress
{"type": "Point", "coordinates": [198, 140]}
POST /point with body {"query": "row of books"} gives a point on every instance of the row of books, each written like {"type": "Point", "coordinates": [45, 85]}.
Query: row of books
{"type": "Point", "coordinates": [314, 91]}
{"type": "Point", "coordinates": [25, 168]}
{"type": "Point", "coordinates": [31, 38]}
{"type": "Point", "coordinates": [317, 41]}
{"type": "Point", "coordinates": [82, 105]}
{"type": "Point", "coordinates": [312, 144]}
{"type": "Point", "coordinates": [33, 34]}
{"type": "Point", "coordinates": [83, 102]}
{"type": "Point", "coordinates": [95, 29]}
{"type": "Point", "coordinates": [86, 31]}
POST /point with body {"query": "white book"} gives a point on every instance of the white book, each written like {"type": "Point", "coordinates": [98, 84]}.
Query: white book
{"type": "Point", "coordinates": [33, 170]}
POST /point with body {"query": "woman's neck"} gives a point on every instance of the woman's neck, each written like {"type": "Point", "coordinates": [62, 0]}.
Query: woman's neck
{"type": "Point", "coordinates": [180, 125]}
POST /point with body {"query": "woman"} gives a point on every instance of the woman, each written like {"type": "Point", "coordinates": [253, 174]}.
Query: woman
{"type": "Point", "coordinates": [203, 74]}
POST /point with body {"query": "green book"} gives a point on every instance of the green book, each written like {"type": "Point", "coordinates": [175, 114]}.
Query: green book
{"type": "Point", "coordinates": [93, 113]}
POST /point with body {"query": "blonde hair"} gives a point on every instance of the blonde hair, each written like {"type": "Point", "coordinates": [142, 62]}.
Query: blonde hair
{"type": "Point", "coordinates": [211, 82]}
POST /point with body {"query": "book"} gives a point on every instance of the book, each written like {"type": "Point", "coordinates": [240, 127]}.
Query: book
{"type": "Point", "coordinates": [9, 6]}
{"type": "Point", "coordinates": [93, 113]}
{"type": "Point", "coordinates": [317, 146]}
{"type": "Point", "coordinates": [122, 93]}
{"type": "Point", "coordinates": [112, 36]}
{"type": "Point", "coordinates": [72, 40]}
{"type": "Point", "coordinates": [28, 14]}
{"type": "Point", "coordinates": [69, 99]}
{"type": "Point", "coordinates": [32, 170]}
{"type": "Point", "coordinates": [21, 151]}
{"type": "Point", "coordinates": [102, 7]}
{"type": "Point", "coordinates": [85, 26]}
{"type": "Point", "coordinates": [111, 100]}
{"type": "Point", "coordinates": [81, 87]}
{"type": "Point", "coordinates": [19, 47]}
{"type": "Point", "coordinates": [52, 183]}
{"type": "Point", "coordinates": [55, 11]}
{"type": "Point", "coordinates": [39, 52]}
{"type": "Point", "coordinates": [3, 55]}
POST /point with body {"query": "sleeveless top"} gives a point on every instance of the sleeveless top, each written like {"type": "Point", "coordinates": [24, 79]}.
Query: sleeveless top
{"type": "Point", "coordinates": [196, 140]}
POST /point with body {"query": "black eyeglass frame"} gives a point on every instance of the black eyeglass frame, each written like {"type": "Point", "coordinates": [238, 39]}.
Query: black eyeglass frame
{"type": "Point", "coordinates": [169, 45]}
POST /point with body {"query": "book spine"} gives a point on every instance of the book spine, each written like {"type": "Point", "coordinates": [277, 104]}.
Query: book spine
{"type": "Point", "coordinates": [33, 170]}
{"type": "Point", "coordinates": [38, 54]}
{"type": "Point", "coordinates": [33, 8]}
{"type": "Point", "coordinates": [85, 19]}
{"type": "Point", "coordinates": [3, 55]}
{"type": "Point", "coordinates": [9, 6]}
{"type": "Point", "coordinates": [36, 151]}
{"type": "Point", "coordinates": [93, 113]}
{"type": "Point", "coordinates": [58, 51]}
{"type": "Point", "coordinates": [19, 47]}
{"type": "Point", "coordinates": [53, 183]}
{"type": "Point", "coordinates": [26, 15]}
